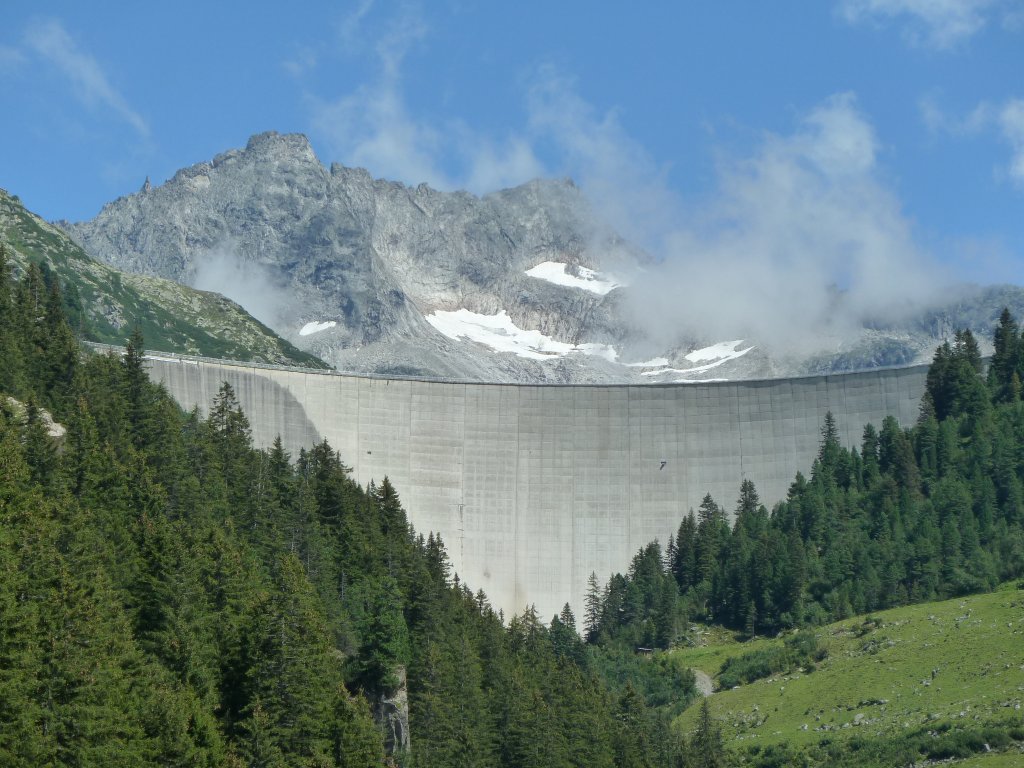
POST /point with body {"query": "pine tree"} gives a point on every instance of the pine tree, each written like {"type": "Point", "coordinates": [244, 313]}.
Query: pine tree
{"type": "Point", "coordinates": [292, 672]}
{"type": "Point", "coordinates": [685, 566]}
{"type": "Point", "coordinates": [385, 639]}
{"type": "Point", "coordinates": [593, 607]}
{"type": "Point", "coordinates": [12, 365]}
{"type": "Point", "coordinates": [705, 749]}
{"type": "Point", "coordinates": [1006, 341]}
{"type": "Point", "coordinates": [356, 739]}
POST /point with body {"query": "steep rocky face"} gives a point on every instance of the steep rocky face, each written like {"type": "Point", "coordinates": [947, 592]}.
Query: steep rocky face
{"type": "Point", "coordinates": [391, 713]}
{"type": "Point", "coordinates": [374, 276]}
{"type": "Point", "coordinates": [369, 260]}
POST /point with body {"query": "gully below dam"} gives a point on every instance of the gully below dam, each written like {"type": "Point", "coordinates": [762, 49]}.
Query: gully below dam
{"type": "Point", "coordinates": [535, 487]}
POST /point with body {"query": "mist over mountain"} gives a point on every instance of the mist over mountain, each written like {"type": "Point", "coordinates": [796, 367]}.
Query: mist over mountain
{"type": "Point", "coordinates": [526, 284]}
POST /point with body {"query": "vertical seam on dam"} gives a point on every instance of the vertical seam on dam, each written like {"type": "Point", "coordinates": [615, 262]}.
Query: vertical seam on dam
{"type": "Point", "coordinates": [515, 505]}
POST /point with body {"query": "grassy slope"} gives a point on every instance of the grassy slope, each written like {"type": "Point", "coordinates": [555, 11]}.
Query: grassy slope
{"type": "Point", "coordinates": [878, 681]}
{"type": "Point", "coordinates": [172, 317]}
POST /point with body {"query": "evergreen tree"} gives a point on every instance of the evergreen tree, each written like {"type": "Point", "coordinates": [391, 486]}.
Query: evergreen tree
{"type": "Point", "coordinates": [705, 749]}
{"type": "Point", "coordinates": [1005, 359]}
{"type": "Point", "coordinates": [593, 607]}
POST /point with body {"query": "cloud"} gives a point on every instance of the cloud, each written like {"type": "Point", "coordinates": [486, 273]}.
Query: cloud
{"type": "Point", "coordinates": [221, 270]}
{"type": "Point", "coordinates": [304, 60]}
{"type": "Point", "coordinates": [492, 165]}
{"type": "Point", "coordinates": [800, 243]}
{"type": "Point", "coordinates": [801, 235]}
{"type": "Point", "coordinates": [1006, 119]}
{"type": "Point", "coordinates": [941, 24]}
{"type": "Point", "coordinates": [373, 127]}
{"type": "Point", "coordinates": [620, 177]}
{"type": "Point", "coordinates": [49, 40]}
{"type": "Point", "coordinates": [1011, 122]}
{"type": "Point", "coordinates": [10, 57]}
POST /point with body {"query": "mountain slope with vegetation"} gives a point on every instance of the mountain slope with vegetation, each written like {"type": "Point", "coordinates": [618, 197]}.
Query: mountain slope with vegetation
{"type": "Point", "coordinates": [104, 304]}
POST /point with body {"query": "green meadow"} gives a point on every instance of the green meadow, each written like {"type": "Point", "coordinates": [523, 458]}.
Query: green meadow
{"type": "Point", "coordinates": [921, 672]}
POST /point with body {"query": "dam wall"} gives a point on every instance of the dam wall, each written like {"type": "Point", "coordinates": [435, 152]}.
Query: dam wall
{"type": "Point", "coordinates": [535, 487]}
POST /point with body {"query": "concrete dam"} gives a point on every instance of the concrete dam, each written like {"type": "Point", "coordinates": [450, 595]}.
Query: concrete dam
{"type": "Point", "coordinates": [533, 487]}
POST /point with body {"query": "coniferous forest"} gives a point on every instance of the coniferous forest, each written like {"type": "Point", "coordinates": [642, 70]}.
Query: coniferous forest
{"type": "Point", "coordinates": [170, 595]}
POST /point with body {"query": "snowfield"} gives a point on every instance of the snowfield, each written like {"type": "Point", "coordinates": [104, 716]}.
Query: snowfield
{"type": "Point", "coordinates": [316, 327]}
{"type": "Point", "coordinates": [500, 334]}
{"type": "Point", "coordinates": [723, 350]}
{"type": "Point", "coordinates": [657, 362]}
{"type": "Point", "coordinates": [588, 279]}
{"type": "Point", "coordinates": [712, 356]}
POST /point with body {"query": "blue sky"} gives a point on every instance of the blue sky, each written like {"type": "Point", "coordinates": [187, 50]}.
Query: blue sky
{"type": "Point", "coordinates": [892, 129]}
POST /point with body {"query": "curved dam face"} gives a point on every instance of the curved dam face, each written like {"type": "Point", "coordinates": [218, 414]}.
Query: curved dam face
{"type": "Point", "coordinates": [535, 487]}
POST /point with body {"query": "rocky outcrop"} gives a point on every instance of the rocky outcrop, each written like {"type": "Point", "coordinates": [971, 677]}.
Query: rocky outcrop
{"type": "Point", "coordinates": [391, 713]}
{"type": "Point", "coordinates": [27, 415]}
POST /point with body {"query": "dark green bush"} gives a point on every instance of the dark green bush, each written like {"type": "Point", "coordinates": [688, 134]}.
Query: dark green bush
{"type": "Point", "coordinates": [799, 650]}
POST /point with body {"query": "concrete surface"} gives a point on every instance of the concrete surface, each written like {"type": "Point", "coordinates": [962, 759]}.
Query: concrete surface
{"type": "Point", "coordinates": [534, 487]}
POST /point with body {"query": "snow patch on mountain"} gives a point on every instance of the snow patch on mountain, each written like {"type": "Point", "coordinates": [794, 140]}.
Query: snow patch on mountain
{"type": "Point", "coordinates": [723, 350]}
{"type": "Point", "coordinates": [500, 334]}
{"type": "Point", "coordinates": [316, 327]}
{"type": "Point", "coordinates": [586, 279]}
{"type": "Point", "coordinates": [656, 362]}
{"type": "Point", "coordinates": [717, 354]}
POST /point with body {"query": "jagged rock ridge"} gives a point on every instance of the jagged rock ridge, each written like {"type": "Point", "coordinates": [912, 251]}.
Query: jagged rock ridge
{"type": "Point", "coordinates": [371, 275]}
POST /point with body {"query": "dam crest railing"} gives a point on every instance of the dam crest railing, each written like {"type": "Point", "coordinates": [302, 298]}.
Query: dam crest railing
{"type": "Point", "coordinates": [177, 356]}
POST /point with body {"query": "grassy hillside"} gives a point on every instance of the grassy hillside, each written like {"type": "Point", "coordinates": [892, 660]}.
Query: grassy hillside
{"type": "Point", "coordinates": [104, 303]}
{"type": "Point", "coordinates": [924, 671]}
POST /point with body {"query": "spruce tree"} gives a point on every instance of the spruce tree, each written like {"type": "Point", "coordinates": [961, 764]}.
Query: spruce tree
{"type": "Point", "coordinates": [705, 749]}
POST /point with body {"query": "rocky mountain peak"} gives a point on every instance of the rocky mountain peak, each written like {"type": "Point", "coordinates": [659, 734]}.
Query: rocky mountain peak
{"type": "Point", "coordinates": [281, 147]}
{"type": "Point", "coordinates": [522, 284]}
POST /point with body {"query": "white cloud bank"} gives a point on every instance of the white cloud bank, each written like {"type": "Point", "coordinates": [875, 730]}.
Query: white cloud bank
{"type": "Point", "coordinates": [223, 271]}
{"type": "Point", "coordinates": [1006, 119]}
{"type": "Point", "coordinates": [802, 239]}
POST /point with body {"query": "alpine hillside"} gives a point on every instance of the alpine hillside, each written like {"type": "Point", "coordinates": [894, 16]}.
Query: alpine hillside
{"type": "Point", "coordinates": [104, 304]}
